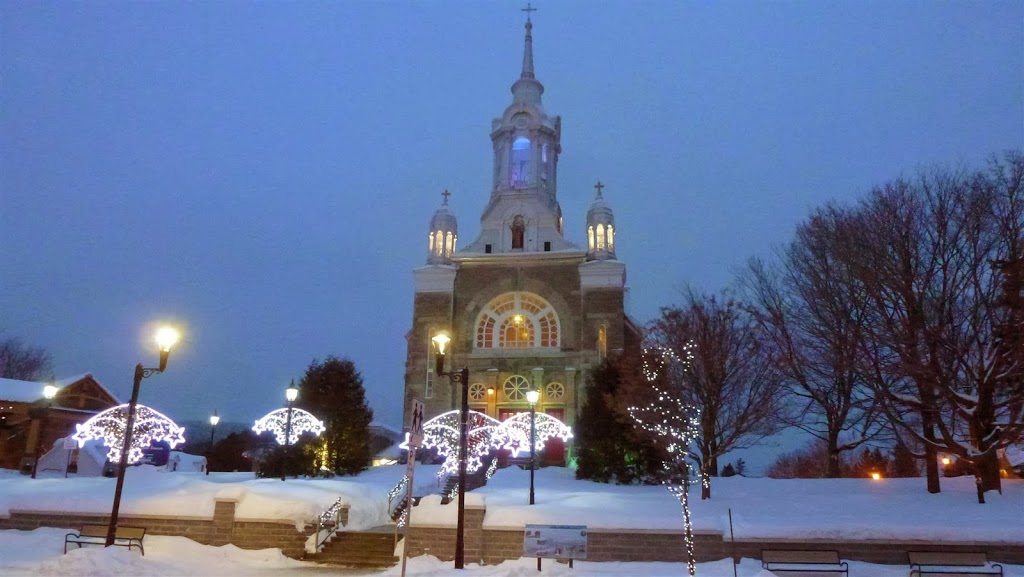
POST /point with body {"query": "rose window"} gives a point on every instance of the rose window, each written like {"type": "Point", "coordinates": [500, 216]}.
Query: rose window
{"type": "Point", "coordinates": [515, 388]}
{"type": "Point", "coordinates": [477, 391]}
{"type": "Point", "coordinates": [554, 391]}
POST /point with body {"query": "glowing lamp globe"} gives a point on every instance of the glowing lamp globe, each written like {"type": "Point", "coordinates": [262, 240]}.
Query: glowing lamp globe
{"type": "Point", "coordinates": [533, 396]}
{"type": "Point", "coordinates": [291, 393]}
{"type": "Point", "coordinates": [214, 419]}
{"type": "Point", "coordinates": [166, 338]}
{"type": "Point", "coordinates": [50, 391]}
{"type": "Point", "coordinates": [441, 341]}
{"type": "Point", "coordinates": [876, 476]}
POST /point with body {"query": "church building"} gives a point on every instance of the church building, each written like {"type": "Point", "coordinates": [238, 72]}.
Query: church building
{"type": "Point", "coordinates": [526, 308]}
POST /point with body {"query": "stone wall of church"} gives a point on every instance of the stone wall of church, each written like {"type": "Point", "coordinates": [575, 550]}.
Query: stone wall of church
{"type": "Point", "coordinates": [431, 311]}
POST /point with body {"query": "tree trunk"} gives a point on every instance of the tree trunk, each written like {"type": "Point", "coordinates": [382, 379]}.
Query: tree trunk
{"type": "Point", "coordinates": [705, 481]}
{"type": "Point", "coordinates": [931, 455]}
{"type": "Point", "coordinates": [832, 469]}
{"type": "Point", "coordinates": [987, 468]}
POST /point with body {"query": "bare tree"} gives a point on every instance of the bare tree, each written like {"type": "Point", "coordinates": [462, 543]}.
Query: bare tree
{"type": "Point", "coordinates": [923, 251]}
{"type": "Point", "coordinates": [814, 319]}
{"type": "Point", "coordinates": [23, 362]}
{"type": "Point", "coordinates": [730, 377]}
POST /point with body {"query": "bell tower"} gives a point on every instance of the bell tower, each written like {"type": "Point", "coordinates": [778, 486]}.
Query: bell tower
{"type": "Point", "coordinates": [523, 214]}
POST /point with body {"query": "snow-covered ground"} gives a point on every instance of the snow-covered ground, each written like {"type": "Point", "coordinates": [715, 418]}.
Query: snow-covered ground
{"type": "Point", "coordinates": [839, 508]}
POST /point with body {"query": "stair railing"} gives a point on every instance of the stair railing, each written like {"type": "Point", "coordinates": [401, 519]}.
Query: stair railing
{"type": "Point", "coordinates": [396, 497]}
{"type": "Point", "coordinates": [328, 522]}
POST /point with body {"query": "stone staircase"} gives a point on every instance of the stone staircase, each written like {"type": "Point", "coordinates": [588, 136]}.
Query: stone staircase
{"type": "Point", "coordinates": [373, 548]}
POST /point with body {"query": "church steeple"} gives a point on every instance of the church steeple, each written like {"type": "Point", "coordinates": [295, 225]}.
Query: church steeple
{"type": "Point", "coordinates": [600, 228]}
{"type": "Point", "coordinates": [523, 214]}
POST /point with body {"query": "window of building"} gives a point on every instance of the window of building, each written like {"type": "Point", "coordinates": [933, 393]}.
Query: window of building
{"type": "Point", "coordinates": [518, 231]}
{"type": "Point", "coordinates": [611, 238]}
{"type": "Point", "coordinates": [602, 342]}
{"type": "Point", "coordinates": [590, 238]}
{"type": "Point", "coordinates": [477, 392]}
{"type": "Point", "coordinates": [517, 320]}
{"type": "Point", "coordinates": [554, 392]}
{"type": "Point", "coordinates": [600, 237]}
{"type": "Point", "coordinates": [547, 246]}
{"type": "Point", "coordinates": [449, 244]}
{"type": "Point", "coordinates": [487, 248]}
{"type": "Point", "coordinates": [428, 387]}
{"type": "Point", "coordinates": [515, 388]}
{"type": "Point", "coordinates": [430, 243]}
{"type": "Point", "coordinates": [520, 162]}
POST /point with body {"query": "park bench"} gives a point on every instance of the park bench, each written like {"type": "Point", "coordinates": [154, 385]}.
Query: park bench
{"type": "Point", "coordinates": [935, 562]}
{"type": "Point", "coordinates": [802, 561]}
{"type": "Point", "coordinates": [97, 535]}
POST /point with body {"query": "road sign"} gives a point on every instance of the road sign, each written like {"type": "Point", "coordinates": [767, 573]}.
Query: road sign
{"type": "Point", "coordinates": [70, 444]}
{"type": "Point", "coordinates": [416, 413]}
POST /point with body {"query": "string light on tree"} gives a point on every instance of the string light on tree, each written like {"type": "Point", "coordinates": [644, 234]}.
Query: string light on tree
{"type": "Point", "coordinates": [150, 426]}
{"type": "Point", "coordinates": [676, 424]}
{"type": "Point", "coordinates": [276, 422]}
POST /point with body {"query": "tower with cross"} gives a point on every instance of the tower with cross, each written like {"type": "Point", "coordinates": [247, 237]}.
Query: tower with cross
{"type": "Point", "coordinates": [527, 307]}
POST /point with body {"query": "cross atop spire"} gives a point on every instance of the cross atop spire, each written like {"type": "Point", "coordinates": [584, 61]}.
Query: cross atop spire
{"type": "Point", "coordinates": [528, 48]}
{"type": "Point", "coordinates": [528, 9]}
{"type": "Point", "coordinates": [445, 194]}
{"type": "Point", "coordinates": [599, 186]}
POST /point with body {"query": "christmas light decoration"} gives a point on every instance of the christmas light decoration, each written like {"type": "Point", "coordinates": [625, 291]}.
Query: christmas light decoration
{"type": "Point", "coordinates": [150, 426]}
{"type": "Point", "coordinates": [486, 433]}
{"type": "Point", "coordinates": [676, 424]}
{"type": "Point", "coordinates": [276, 422]}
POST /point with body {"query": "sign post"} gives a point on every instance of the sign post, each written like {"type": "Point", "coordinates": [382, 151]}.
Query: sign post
{"type": "Point", "coordinates": [70, 444]}
{"type": "Point", "coordinates": [415, 440]}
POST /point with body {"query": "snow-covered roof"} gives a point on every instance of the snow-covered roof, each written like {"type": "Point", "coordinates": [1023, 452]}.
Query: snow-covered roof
{"type": "Point", "coordinates": [1014, 455]}
{"type": "Point", "coordinates": [31, 391]}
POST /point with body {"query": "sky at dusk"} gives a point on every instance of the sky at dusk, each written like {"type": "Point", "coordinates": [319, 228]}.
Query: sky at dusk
{"type": "Point", "coordinates": [263, 173]}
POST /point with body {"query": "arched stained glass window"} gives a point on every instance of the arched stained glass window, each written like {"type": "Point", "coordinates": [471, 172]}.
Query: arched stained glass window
{"type": "Point", "coordinates": [600, 237]}
{"type": "Point", "coordinates": [590, 237]}
{"type": "Point", "coordinates": [518, 320]}
{"type": "Point", "coordinates": [520, 162]}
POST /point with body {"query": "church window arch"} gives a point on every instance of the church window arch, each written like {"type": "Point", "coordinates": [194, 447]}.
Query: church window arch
{"type": "Point", "coordinates": [439, 243]}
{"type": "Point", "coordinates": [602, 342]}
{"type": "Point", "coordinates": [477, 391]}
{"type": "Point", "coordinates": [518, 232]}
{"type": "Point", "coordinates": [520, 162]}
{"type": "Point", "coordinates": [611, 237]}
{"type": "Point", "coordinates": [515, 388]}
{"type": "Point", "coordinates": [600, 237]}
{"type": "Point", "coordinates": [430, 243]}
{"type": "Point", "coordinates": [554, 392]}
{"type": "Point", "coordinates": [449, 244]}
{"type": "Point", "coordinates": [517, 320]}
{"type": "Point", "coordinates": [590, 237]}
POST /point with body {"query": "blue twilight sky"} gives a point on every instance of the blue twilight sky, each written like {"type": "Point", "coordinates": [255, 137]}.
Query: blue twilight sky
{"type": "Point", "coordinates": [263, 173]}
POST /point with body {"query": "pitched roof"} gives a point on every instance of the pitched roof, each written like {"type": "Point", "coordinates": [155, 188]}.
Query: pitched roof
{"type": "Point", "coordinates": [32, 391]}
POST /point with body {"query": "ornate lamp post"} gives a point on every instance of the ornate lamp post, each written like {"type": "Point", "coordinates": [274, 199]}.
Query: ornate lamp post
{"type": "Point", "coordinates": [49, 392]}
{"type": "Point", "coordinates": [214, 419]}
{"type": "Point", "coordinates": [165, 339]}
{"type": "Point", "coordinates": [533, 395]}
{"type": "Point", "coordinates": [440, 342]}
{"type": "Point", "coordinates": [291, 393]}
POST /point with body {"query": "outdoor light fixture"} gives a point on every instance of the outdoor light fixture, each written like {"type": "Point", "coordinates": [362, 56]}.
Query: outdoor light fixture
{"type": "Point", "coordinates": [49, 392]}
{"type": "Point", "coordinates": [166, 337]}
{"type": "Point", "coordinates": [440, 342]}
{"type": "Point", "coordinates": [214, 419]}
{"type": "Point", "coordinates": [946, 461]}
{"type": "Point", "coordinates": [532, 396]}
{"type": "Point", "coordinates": [876, 476]}
{"type": "Point", "coordinates": [291, 393]}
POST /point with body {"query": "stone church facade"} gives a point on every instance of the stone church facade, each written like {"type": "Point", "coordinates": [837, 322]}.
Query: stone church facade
{"type": "Point", "coordinates": [525, 307]}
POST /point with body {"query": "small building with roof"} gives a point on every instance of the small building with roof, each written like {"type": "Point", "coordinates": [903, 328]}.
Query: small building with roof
{"type": "Point", "coordinates": [30, 424]}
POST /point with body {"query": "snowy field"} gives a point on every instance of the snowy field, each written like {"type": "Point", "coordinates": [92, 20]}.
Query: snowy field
{"type": "Point", "coordinates": [819, 508]}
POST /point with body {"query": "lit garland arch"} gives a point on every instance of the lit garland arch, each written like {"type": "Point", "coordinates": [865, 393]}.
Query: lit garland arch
{"type": "Point", "coordinates": [277, 422]}
{"type": "Point", "coordinates": [150, 426]}
{"type": "Point", "coordinates": [486, 433]}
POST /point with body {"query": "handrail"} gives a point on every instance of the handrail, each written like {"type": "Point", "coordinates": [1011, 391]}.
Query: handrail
{"type": "Point", "coordinates": [330, 517]}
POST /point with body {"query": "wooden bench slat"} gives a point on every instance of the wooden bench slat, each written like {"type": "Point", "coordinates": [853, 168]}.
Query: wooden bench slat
{"type": "Point", "coordinates": [965, 559]}
{"type": "Point", "coordinates": [786, 556]}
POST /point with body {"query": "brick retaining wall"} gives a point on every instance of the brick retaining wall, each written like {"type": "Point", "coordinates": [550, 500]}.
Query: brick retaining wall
{"type": "Point", "coordinates": [222, 529]}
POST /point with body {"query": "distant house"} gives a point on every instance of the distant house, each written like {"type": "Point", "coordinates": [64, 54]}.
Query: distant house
{"type": "Point", "coordinates": [29, 423]}
{"type": "Point", "coordinates": [383, 444]}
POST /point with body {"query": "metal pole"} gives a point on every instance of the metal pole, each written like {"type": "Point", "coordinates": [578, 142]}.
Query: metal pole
{"type": "Point", "coordinates": [213, 429]}
{"type": "Point", "coordinates": [123, 463]}
{"type": "Point", "coordinates": [460, 559]}
{"type": "Point", "coordinates": [533, 446]}
{"type": "Point", "coordinates": [287, 443]}
{"type": "Point", "coordinates": [40, 437]}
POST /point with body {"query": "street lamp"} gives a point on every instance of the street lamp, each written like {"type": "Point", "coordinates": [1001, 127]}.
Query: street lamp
{"type": "Point", "coordinates": [49, 392]}
{"type": "Point", "coordinates": [166, 337]}
{"type": "Point", "coordinates": [214, 419]}
{"type": "Point", "coordinates": [440, 342]}
{"type": "Point", "coordinates": [533, 395]}
{"type": "Point", "coordinates": [291, 393]}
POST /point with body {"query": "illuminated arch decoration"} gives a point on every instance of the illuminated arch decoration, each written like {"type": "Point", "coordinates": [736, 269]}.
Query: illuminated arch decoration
{"type": "Point", "coordinates": [517, 320]}
{"type": "Point", "coordinates": [485, 433]}
{"type": "Point", "coordinates": [150, 426]}
{"type": "Point", "coordinates": [277, 422]}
